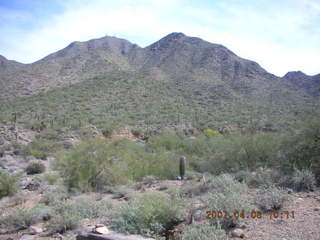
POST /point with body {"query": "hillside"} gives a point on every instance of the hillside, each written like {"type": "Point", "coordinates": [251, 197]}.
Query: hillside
{"type": "Point", "coordinates": [311, 84]}
{"type": "Point", "coordinates": [177, 80]}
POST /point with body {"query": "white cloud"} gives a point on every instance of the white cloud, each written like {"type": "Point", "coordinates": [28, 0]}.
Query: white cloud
{"type": "Point", "coordinates": [276, 37]}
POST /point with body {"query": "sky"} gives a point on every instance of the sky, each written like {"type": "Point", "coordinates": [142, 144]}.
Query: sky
{"type": "Point", "coordinates": [281, 35]}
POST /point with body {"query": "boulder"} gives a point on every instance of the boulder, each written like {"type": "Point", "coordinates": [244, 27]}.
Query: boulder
{"type": "Point", "coordinates": [27, 237]}
{"type": "Point", "coordinates": [35, 230]}
{"type": "Point", "coordinates": [237, 233]}
{"type": "Point", "coordinates": [101, 230]}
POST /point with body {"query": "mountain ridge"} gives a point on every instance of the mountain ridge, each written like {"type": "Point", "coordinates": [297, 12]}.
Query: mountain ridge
{"type": "Point", "coordinates": [175, 57]}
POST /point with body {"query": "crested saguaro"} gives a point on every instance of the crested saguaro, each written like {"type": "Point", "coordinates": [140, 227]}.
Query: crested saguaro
{"type": "Point", "coordinates": [182, 166]}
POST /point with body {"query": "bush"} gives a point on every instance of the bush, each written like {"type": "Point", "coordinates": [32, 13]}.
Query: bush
{"type": "Point", "coordinates": [51, 178]}
{"type": "Point", "coordinates": [203, 232]}
{"type": "Point", "coordinates": [230, 202]}
{"type": "Point", "coordinates": [166, 141]}
{"type": "Point", "coordinates": [53, 196]}
{"type": "Point", "coordinates": [150, 214]}
{"type": "Point", "coordinates": [261, 177]}
{"type": "Point", "coordinates": [192, 190]}
{"type": "Point", "coordinates": [228, 196]}
{"type": "Point", "coordinates": [64, 221]}
{"type": "Point", "coordinates": [41, 147]}
{"type": "Point", "coordinates": [300, 180]}
{"type": "Point", "coordinates": [8, 184]}
{"type": "Point", "coordinates": [96, 164]}
{"type": "Point", "coordinates": [270, 199]}
{"type": "Point", "coordinates": [68, 214]}
{"type": "Point", "coordinates": [230, 153]}
{"type": "Point", "coordinates": [211, 133]}
{"type": "Point", "coordinates": [107, 132]}
{"type": "Point", "coordinates": [243, 176]}
{"type": "Point", "coordinates": [35, 168]}
{"type": "Point", "coordinates": [227, 183]}
{"type": "Point", "coordinates": [24, 217]}
{"type": "Point", "coordinates": [136, 132]}
{"type": "Point", "coordinates": [87, 207]}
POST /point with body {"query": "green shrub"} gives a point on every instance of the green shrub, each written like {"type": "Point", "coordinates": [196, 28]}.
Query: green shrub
{"type": "Point", "coordinates": [17, 148]}
{"type": "Point", "coordinates": [230, 202]}
{"type": "Point", "coordinates": [136, 132]}
{"type": "Point", "coordinates": [270, 199]}
{"type": "Point", "coordinates": [300, 180]}
{"type": "Point", "coordinates": [51, 178]}
{"type": "Point", "coordinates": [243, 176]}
{"type": "Point", "coordinates": [261, 177]}
{"type": "Point", "coordinates": [67, 215]}
{"type": "Point", "coordinates": [166, 141]}
{"type": "Point", "coordinates": [211, 133]}
{"type": "Point", "coordinates": [203, 232]}
{"type": "Point", "coordinates": [191, 190]}
{"type": "Point", "coordinates": [41, 147]}
{"type": "Point", "coordinates": [227, 183]}
{"type": "Point", "coordinates": [64, 221]}
{"type": "Point", "coordinates": [230, 153]}
{"type": "Point", "coordinates": [8, 184]}
{"type": "Point", "coordinates": [88, 207]}
{"type": "Point", "coordinates": [35, 168]}
{"type": "Point", "coordinates": [228, 196]}
{"type": "Point", "coordinates": [107, 131]}
{"type": "Point", "coordinates": [19, 198]}
{"type": "Point", "coordinates": [24, 217]}
{"type": "Point", "coordinates": [53, 196]}
{"type": "Point", "coordinates": [150, 214]}
{"type": "Point", "coordinates": [97, 164]}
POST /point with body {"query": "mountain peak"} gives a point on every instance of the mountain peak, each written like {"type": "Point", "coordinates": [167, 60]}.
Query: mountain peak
{"type": "Point", "coordinates": [167, 40]}
{"type": "Point", "coordinates": [175, 35]}
{"type": "Point", "coordinates": [295, 74]}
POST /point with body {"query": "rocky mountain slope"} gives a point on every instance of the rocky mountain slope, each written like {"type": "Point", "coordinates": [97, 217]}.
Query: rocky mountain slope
{"type": "Point", "coordinates": [177, 77]}
{"type": "Point", "coordinates": [8, 66]}
{"type": "Point", "coordinates": [311, 84]}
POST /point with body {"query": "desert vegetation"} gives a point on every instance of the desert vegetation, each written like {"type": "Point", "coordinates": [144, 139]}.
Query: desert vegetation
{"type": "Point", "coordinates": [239, 171]}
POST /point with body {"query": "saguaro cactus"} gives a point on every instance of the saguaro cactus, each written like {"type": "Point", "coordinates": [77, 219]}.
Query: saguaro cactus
{"type": "Point", "coordinates": [182, 166]}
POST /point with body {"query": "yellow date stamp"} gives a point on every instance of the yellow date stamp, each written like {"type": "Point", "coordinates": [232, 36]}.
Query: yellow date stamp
{"type": "Point", "coordinates": [253, 214]}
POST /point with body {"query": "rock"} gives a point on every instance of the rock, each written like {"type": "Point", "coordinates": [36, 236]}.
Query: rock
{"type": "Point", "coordinates": [237, 233]}
{"type": "Point", "coordinates": [35, 230]}
{"type": "Point", "coordinates": [317, 209]}
{"type": "Point", "coordinates": [110, 236]}
{"type": "Point", "coordinates": [100, 225]}
{"type": "Point", "coordinates": [102, 230]}
{"type": "Point", "coordinates": [299, 201]}
{"type": "Point", "coordinates": [58, 236]}
{"type": "Point", "coordinates": [198, 216]}
{"type": "Point", "coordinates": [162, 188]}
{"type": "Point", "coordinates": [69, 142]}
{"type": "Point", "coordinates": [27, 237]}
{"type": "Point", "coordinates": [30, 184]}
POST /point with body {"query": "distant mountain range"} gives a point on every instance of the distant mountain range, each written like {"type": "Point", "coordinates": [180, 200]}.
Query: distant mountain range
{"type": "Point", "coordinates": [193, 70]}
{"type": "Point", "coordinates": [175, 56]}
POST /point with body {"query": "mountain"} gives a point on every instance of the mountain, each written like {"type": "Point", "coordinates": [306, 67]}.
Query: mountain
{"type": "Point", "coordinates": [311, 84]}
{"type": "Point", "coordinates": [76, 62]}
{"type": "Point", "coordinates": [8, 66]}
{"type": "Point", "coordinates": [178, 79]}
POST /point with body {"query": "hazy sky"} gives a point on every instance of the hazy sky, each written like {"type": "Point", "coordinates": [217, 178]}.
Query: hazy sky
{"type": "Point", "coordinates": [281, 35]}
